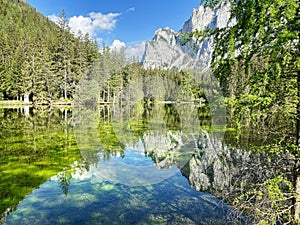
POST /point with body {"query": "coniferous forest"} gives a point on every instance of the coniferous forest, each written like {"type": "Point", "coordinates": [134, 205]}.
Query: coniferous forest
{"type": "Point", "coordinates": [45, 61]}
{"type": "Point", "coordinates": [39, 58]}
{"type": "Point", "coordinates": [256, 63]}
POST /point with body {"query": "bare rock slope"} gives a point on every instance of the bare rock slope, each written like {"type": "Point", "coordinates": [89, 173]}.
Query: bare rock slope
{"type": "Point", "coordinates": [166, 51]}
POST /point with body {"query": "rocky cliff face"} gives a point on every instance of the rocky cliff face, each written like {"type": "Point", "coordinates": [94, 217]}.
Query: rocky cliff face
{"type": "Point", "coordinates": [166, 50]}
{"type": "Point", "coordinates": [211, 165]}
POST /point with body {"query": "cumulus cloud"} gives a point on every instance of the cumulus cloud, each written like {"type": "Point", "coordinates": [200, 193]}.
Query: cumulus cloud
{"type": "Point", "coordinates": [91, 24]}
{"type": "Point", "coordinates": [135, 50]}
{"type": "Point", "coordinates": [95, 22]}
{"type": "Point", "coordinates": [117, 45]}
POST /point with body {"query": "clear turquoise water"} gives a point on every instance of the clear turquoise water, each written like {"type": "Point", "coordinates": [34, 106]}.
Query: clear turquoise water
{"type": "Point", "coordinates": [100, 179]}
{"type": "Point", "coordinates": [94, 199]}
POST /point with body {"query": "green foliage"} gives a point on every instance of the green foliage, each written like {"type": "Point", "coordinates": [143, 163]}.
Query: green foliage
{"type": "Point", "coordinates": [112, 75]}
{"type": "Point", "coordinates": [38, 57]}
{"type": "Point", "coordinates": [256, 60]}
{"type": "Point", "coordinates": [32, 149]}
{"type": "Point", "coordinates": [269, 200]}
{"type": "Point", "coordinates": [198, 35]}
{"type": "Point", "coordinates": [111, 143]}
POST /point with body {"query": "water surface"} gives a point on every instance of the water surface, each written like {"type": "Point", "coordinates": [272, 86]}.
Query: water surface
{"type": "Point", "coordinates": [136, 166]}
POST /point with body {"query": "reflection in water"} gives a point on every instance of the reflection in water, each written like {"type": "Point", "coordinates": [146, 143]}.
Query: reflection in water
{"type": "Point", "coordinates": [33, 148]}
{"type": "Point", "coordinates": [198, 150]}
{"type": "Point", "coordinates": [136, 167]}
{"type": "Point", "coordinates": [94, 199]}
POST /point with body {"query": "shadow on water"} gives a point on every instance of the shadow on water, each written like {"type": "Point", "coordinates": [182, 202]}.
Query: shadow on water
{"type": "Point", "coordinates": [128, 165]}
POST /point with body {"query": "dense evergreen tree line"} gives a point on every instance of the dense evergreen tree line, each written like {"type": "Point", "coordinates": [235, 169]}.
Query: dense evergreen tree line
{"type": "Point", "coordinates": [46, 61]}
{"type": "Point", "coordinates": [38, 57]}
{"type": "Point", "coordinates": [112, 74]}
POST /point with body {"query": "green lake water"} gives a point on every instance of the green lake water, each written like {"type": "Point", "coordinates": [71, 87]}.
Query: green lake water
{"type": "Point", "coordinates": [111, 166]}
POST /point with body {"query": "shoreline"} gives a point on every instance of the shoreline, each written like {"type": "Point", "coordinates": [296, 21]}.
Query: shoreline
{"type": "Point", "coordinates": [18, 103]}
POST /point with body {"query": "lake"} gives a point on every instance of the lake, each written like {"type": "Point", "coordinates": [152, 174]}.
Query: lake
{"type": "Point", "coordinates": [153, 164]}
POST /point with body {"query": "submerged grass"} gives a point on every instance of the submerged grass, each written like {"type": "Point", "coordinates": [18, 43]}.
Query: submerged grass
{"type": "Point", "coordinates": [32, 149]}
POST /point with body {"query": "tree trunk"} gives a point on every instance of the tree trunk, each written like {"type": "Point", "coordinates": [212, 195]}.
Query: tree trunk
{"type": "Point", "coordinates": [26, 98]}
{"type": "Point", "coordinates": [65, 83]}
{"type": "Point", "coordinates": [108, 95]}
{"type": "Point", "coordinates": [298, 113]}
{"type": "Point", "coordinates": [297, 167]}
{"type": "Point", "coordinates": [114, 98]}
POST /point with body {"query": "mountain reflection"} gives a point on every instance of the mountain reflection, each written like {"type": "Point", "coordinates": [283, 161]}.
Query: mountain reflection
{"type": "Point", "coordinates": [137, 165]}
{"type": "Point", "coordinates": [211, 159]}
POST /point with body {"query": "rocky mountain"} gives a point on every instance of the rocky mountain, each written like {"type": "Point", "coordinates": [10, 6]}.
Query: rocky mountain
{"type": "Point", "coordinates": [166, 51]}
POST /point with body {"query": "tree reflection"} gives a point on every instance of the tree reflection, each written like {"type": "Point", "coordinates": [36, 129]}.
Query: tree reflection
{"type": "Point", "coordinates": [64, 178]}
{"type": "Point", "coordinates": [33, 147]}
{"type": "Point", "coordinates": [255, 182]}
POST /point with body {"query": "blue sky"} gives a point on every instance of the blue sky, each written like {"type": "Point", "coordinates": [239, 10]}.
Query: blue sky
{"type": "Point", "coordinates": [127, 23]}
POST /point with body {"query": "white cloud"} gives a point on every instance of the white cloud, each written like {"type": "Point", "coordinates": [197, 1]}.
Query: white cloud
{"type": "Point", "coordinates": [94, 23]}
{"type": "Point", "coordinates": [91, 24]}
{"type": "Point", "coordinates": [135, 50]}
{"type": "Point", "coordinates": [53, 18]}
{"type": "Point", "coordinates": [117, 45]}
{"type": "Point", "coordinates": [84, 24]}
{"type": "Point", "coordinates": [104, 22]}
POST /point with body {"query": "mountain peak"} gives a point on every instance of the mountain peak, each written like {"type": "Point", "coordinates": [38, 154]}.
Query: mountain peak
{"type": "Point", "coordinates": [165, 50]}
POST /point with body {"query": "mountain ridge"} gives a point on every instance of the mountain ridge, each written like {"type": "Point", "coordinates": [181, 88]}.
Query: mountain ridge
{"type": "Point", "coordinates": [166, 49]}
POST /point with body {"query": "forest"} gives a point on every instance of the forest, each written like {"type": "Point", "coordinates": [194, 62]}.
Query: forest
{"type": "Point", "coordinates": [256, 62]}
{"type": "Point", "coordinates": [39, 58]}
{"type": "Point", "coordinates": [45, 61]}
